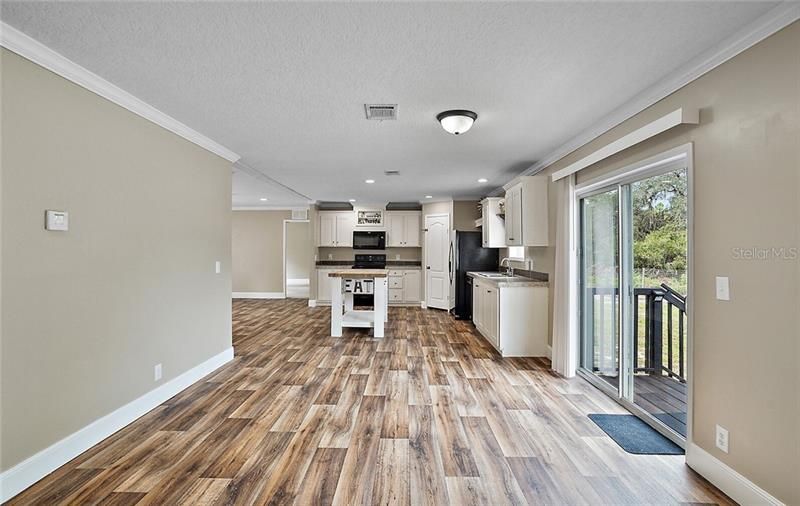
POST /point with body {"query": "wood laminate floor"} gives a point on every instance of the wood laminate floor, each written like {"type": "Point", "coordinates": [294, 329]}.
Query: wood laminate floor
{"type": "Point", "coordinates": [428, 415]}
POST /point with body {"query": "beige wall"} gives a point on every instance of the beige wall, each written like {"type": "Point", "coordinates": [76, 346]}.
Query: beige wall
{"type": "Point", "coordinates": [465, 212]}
{"type": "Point", "coordinates": [88, 313]}
{"type": "Point", "coordinates": [746, 187]}
{"type": "Point", "coordinates": [438, 208]}
{"type": "Point", "coordinates": [299, 250]}
{"type": "Point", "coordinates": [257, 250]}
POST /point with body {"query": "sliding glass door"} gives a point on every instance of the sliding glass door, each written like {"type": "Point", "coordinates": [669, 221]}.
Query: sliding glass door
{"type": "Point", "coordinates": [600, 265]}
{"type": "Point", "coordinates": [633, 290]}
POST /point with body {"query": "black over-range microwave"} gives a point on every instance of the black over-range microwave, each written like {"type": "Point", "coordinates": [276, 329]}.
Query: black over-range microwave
{"type": "Point", "coordinates": [369, 240]}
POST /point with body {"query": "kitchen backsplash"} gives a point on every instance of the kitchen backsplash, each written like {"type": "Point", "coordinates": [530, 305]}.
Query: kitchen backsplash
{"type": "Point", "coordinates": [349, 254]}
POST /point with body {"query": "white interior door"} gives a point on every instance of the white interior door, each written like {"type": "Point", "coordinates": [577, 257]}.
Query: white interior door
{"type": "Point", "coordinates": [437, 250]}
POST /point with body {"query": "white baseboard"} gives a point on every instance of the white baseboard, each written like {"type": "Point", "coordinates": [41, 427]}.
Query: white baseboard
{"type": "Point", "coordinates": [312, 303]}
{"type": "Point", "coordinates": [738, 488]}
{"type": "Point", "coordinates": [298, 282]}
{"type": "Point", "coordinates": [259, 295]}
{"type": "Point", "coordinates": [33, 469]}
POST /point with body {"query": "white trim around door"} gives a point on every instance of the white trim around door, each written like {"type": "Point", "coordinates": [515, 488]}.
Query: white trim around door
{"type": "Point", "coordinates": [283, 271]}
{"type": "Point", "coordinates": [437, 257]}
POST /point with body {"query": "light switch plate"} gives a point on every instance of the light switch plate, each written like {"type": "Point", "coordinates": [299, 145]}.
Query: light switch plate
{"type": "Point", "coordinates": [217, 266]}
{"type": "Point", "coordinates": [723, 288]}
{"type": "Point", "coordinates": [157, 372]}
{"type": "Point", "coordinates": [56, 220]}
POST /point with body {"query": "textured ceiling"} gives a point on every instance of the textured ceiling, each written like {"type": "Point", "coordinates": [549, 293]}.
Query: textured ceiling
{"type": "Point", "coordinates": [283, 84]}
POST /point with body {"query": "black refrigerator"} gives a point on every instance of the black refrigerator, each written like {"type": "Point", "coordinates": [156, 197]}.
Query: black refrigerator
{"type": "Point", "coordinates": [469, 255]}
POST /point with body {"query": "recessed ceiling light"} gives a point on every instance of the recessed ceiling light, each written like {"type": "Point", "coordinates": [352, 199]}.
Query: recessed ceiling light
{"type": "Point", "coordinates": [352, 200]}
{"type": "Point", "coordinates": [369, 181]}
{"type": "Point", "coordinates": [483, 180]}
{"type": "Point", "coordinates": [428, 196]}
{"type": "Point", "coordinates": [456, 121]}
{"type": "Point", "coordinates": [263, 199]}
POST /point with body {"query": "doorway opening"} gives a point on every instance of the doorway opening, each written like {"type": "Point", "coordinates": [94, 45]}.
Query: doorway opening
{"type": "Point", "coordinates": [298, 258]}
{"type": "Point", "coordinates": [634, 288]}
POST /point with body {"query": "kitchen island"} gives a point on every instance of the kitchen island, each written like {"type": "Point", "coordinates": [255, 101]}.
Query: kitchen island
{"type": "Point", "coordinates": [348, 282]}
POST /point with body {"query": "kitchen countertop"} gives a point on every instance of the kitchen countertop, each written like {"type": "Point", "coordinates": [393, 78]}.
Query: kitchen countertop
{"type": "Point", "coordinates": [506, 282]}
{"type": "Point", "coordinates": [359, 273]}
{"type": "Point", "coordinates": [409, 264]}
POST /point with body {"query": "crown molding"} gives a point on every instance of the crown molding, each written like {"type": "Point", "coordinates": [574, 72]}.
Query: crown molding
{"type": "Point", "coordinates": [771, 22]}
{"type": "Point", "coordinates": [33, 50]}
{"type": "Point", "coordinates": [257, 174]}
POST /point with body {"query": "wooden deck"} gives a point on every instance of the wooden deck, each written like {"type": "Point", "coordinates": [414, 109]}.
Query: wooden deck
{"type": "Point", "coordinates": [663, 397]}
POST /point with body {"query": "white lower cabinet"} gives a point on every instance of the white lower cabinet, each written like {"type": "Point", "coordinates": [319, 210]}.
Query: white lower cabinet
{"type": "Point", "coordinates": [324, 284]}
{"type": "Point", "coordinates": [512, 318]}
{"type": "Point", "coordinates": [405, 285]}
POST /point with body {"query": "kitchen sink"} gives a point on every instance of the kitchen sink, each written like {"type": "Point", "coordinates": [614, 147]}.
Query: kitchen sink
{"type": "Point", "coordinates": [495, 275]}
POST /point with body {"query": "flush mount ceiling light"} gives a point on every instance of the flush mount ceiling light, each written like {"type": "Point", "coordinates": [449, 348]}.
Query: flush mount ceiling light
{"type": "Point", "coordinates": [457, 121]}
{"type": "Point", "coordinates": [369, 181]}
{"type": "Point", "coordinates": [351, 200]}
{"type": "Point", "coordinates": [428, 196]}
{"type": "Point", "coordinates": [483, 180]}
{"type": "Point", "coordinates": [263, 199]}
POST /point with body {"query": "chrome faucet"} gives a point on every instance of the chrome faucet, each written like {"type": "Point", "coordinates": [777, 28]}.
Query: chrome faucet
{"type": "Point", "coordinates": [509, 268]}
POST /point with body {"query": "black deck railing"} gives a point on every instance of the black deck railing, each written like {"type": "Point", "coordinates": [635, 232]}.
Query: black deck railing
{"type": "Point", "coordinates": [659, 331]}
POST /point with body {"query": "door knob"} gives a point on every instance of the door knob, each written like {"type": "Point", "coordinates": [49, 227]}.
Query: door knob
{"type": "Point", "coordinates": [428, 267]}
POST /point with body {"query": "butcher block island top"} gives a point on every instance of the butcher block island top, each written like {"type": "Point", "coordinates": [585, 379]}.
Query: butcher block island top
{"type": "Point", "coordinates": [359, 273]}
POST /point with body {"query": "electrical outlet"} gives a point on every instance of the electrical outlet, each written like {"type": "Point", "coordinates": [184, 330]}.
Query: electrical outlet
{"type": "Point", "coordinates": [157, 372]}
{"type": "Point", "coordinates": [217, 266]}
{"type": "Point", "coordinates": [722, 438]}
{"type": "Point", "coordinates": [330, 256]}
{"type": "Point", "coordinates": [397, 257]}
{"type": "Point", "coordinates": [723, 288]}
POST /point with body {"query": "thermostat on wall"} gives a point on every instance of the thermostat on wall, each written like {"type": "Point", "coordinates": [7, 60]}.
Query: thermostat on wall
{"type": "Point", "coordinates": [56, 220]}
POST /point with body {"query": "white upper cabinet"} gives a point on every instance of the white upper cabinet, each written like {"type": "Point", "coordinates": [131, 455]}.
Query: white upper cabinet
{"type": "Point", "coordinates": [395, 230]}
{"type": "Point", "coordinates": [526, 213]}
{"type": "Point", "coordinates": [327, 229]}
{"type": "Point", "coordinates": [492, 226]}
{"type": "Point", "coordinates": [403, 229]}
{"type": "Point", "coordinates": [514, 216]}
{"type": "Point", "coordinates": [336, 228]}
{"type": "Point", "coordinates": [345, 225]}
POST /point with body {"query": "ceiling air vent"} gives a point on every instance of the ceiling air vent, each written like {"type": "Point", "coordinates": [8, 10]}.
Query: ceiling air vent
{"type": "Point", "coordinates": [381, 112]}
{"type": "Point", "coordinates": [391, 173]}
